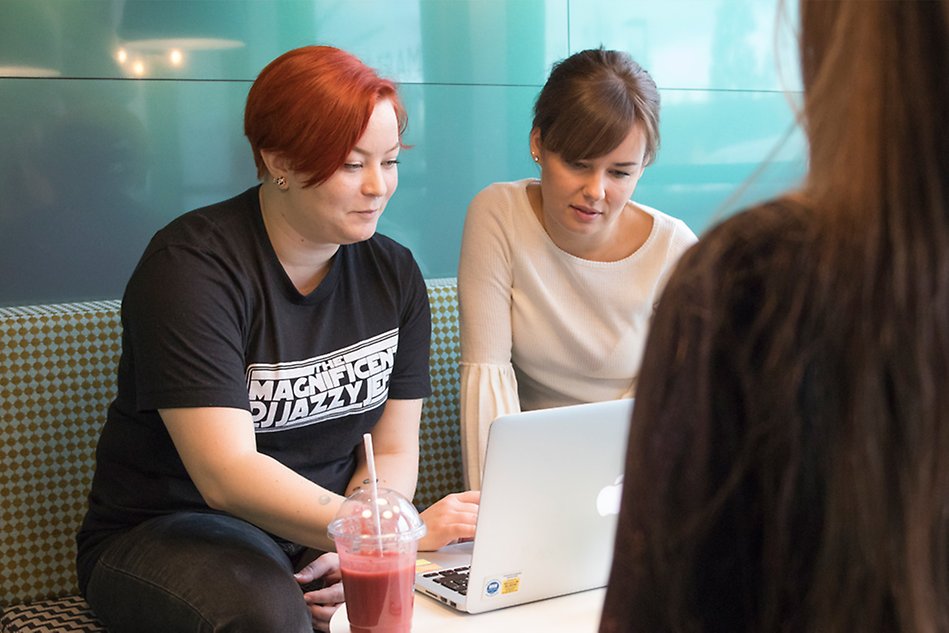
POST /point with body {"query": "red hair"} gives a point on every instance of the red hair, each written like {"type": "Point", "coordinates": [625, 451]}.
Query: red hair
{"type": "Point", "coordinates": [311, 105]}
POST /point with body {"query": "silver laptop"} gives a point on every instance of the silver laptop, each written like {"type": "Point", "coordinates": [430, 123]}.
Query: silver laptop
{"type": "Point", "coordinates": [549, 498]}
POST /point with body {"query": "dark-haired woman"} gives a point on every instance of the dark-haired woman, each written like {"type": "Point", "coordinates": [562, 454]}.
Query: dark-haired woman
{"type": "Point", "coordinates": [262, 336]}
{"type": "Point", "coordinates": [559, 275]}
{"type": "Point", "coordinates": [788, 463]}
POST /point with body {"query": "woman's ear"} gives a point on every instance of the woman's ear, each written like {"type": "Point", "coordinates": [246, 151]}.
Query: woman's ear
{"type": "Point", "coordinates": [536, 147]}
{"type": "Point", "coordinates": [277, 165]}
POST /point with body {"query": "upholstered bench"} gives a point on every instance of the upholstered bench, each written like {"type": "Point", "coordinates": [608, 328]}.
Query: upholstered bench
{"type": "Point", "coordinates": [57, 364]}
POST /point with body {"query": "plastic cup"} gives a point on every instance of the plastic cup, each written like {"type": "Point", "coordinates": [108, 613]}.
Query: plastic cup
{"type": "Point", "coordinates": [377, 542]}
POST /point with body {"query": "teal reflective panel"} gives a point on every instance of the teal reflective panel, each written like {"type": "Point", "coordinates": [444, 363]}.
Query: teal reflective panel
{"type": "Point", "coordinates": [697, 44]}
{"type": "Point", "coordinates": [463, 138]}
{"type": "Point", "coordinates": [100, 152]}
{"type": "Point", "coordinates": [92, 168]}
{"type": "Point", "coordinates": [437, 41]}
{"type": "Point", "coordinates": [722, 151]}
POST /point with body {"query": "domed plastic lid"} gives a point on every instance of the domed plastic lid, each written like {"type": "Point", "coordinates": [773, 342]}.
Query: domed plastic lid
{"type": "Point", "coordinates": [356, 520]}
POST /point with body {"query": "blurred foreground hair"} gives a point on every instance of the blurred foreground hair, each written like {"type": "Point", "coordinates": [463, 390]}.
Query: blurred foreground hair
{"type": "Point", "coordinates": [788, 466]}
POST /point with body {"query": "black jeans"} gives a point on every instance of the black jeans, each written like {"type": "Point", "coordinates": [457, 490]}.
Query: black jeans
{"type": "Point", "coordinates": [197, 573]}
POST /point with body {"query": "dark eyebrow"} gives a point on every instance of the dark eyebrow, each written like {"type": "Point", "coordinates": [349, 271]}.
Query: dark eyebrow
{"type": "Point", "coordinates": [629, 164]}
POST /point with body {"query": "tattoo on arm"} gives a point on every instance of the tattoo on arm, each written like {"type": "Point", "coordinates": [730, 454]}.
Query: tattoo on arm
{"type": "Point", "coordinates": [365, 482]}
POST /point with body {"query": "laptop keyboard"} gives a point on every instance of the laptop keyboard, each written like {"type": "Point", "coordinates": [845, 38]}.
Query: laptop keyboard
{"type": "Point", "coordinates": [455, 578]}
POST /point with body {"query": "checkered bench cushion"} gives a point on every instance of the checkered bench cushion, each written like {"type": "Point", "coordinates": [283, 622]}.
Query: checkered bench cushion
{"type": "Point", "coordinates": [440, 469]}
{"type": "Point", "coordinates": [70, 614]}
{"type": "Point", "coordinates": [57, 377]}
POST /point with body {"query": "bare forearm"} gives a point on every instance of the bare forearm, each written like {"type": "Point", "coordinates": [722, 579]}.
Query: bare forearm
{"type": "Point", "coordinates": [397, 471]}
{"type": "Point", "coordinates": [271, 496]}
{"type": "Point", "coordinates": [395, 442]}
{"type": "Point", "coordinates": [218, 448]}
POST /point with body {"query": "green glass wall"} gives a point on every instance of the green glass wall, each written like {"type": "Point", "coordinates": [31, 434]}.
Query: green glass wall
{"type": "Point", "coordinates": [118, 115]}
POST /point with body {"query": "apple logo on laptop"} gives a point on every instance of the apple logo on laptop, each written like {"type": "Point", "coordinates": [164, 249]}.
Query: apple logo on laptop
{"type": "Point", "coordinates": [607, 501]}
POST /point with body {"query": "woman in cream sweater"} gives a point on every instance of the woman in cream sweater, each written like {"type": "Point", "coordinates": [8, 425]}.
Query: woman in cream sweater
{"type": "Point", "coordinates": [559, 275]}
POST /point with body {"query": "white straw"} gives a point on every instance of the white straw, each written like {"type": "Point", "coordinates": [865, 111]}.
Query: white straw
{"type": "Point", "coordinates": [374, 497]}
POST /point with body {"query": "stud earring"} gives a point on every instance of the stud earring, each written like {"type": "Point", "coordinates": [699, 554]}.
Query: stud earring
{"type": "Point", "coordinates": [281, 182]}
{"type": "Point", "coordinates": [535, 157]}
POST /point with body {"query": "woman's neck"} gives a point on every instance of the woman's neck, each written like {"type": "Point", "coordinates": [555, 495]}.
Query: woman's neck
{"type": "Point", "coordinates": [305, 262]}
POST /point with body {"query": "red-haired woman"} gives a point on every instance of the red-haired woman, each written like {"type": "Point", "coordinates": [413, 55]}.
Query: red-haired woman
{"type": "Point", "coordinates": [262, 336]}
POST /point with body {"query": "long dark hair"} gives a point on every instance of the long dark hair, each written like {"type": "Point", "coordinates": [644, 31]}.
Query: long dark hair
{"type": "Point", "coordinates": [877, 116]}
{"type": "Point", "coordinates": [788, 467]}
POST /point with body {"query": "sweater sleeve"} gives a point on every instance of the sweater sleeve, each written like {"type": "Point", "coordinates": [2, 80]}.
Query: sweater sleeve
{"type": "Point", "coordinates": [488, 384]}
{"type": "Point", "coordinates": [487, 391]}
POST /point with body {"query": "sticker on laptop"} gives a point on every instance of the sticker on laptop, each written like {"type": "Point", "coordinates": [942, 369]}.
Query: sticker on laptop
{"type": "Point", "coordinates": [422, 565]}
{"type": "Point", "coordinates": [503, 585]}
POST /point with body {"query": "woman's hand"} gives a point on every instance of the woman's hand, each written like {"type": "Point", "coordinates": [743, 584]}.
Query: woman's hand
{"type": "Point", "coordinates": [324, 602]}
{"type": "Point", "coordinates": [450, 520]}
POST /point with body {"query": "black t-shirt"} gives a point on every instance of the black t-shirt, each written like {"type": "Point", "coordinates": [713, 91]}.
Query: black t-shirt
{"type": "Point", "coordinates": [210, 319]}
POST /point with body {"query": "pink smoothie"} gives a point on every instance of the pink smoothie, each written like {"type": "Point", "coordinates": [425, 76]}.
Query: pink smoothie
{"type": "Point", "coordinates": [379, 598]}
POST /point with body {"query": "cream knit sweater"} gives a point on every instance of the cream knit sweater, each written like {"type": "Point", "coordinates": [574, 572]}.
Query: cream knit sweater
{"type": "Point", "coordinates": [541, 328]}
